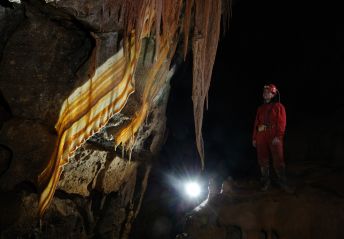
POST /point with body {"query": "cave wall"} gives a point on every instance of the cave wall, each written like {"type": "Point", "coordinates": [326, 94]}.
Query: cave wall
{"type": "Point", "coordinates": [47, 51]}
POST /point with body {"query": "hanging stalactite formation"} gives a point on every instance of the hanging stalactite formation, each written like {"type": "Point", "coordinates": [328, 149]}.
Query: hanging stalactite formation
{"type": "Point", "coordinates": [204, 46]}
{"type": "Point", "coordinates": [89, 107]}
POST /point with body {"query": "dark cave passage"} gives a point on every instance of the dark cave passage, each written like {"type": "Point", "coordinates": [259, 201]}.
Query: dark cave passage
{"type": "Point", "coordinates": [298, 48]}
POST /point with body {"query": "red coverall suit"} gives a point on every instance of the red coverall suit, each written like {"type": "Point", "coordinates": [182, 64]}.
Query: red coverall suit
{"type": "Point", "coordinates": [270, 123]}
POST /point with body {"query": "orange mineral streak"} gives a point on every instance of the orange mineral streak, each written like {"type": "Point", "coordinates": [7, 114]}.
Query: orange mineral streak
{"type": "Point", "coordinates": [90, 107]}
{"type": "Point", "coordinates": [126, 136]}
{"type": "Point", "coordinates": [169, 13]}
{"type": "Point", "coordinates": [85, 112]}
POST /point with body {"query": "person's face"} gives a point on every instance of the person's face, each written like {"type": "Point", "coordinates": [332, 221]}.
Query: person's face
{"type": "Point", "coordinates": [267, 95]}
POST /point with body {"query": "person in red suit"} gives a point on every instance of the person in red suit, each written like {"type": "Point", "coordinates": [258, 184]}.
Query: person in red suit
{"type": "Point", "coordinates": [268, 137]}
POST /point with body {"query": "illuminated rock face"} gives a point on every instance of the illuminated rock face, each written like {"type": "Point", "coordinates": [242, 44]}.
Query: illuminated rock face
{"type": "Point", "coordinates": [46, 58]}
{"type": "Point", "coordinates": [84, 88]}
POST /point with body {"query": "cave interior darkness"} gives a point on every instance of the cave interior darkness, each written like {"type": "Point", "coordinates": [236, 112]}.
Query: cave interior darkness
{"type": "Point", "coordinates": [297, 46]}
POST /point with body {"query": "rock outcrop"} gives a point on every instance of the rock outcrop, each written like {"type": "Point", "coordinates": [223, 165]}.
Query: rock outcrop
{"type": "Point", "coordinates": [315, 210]}
{"type": "Point", "coordinates": [83, 94]}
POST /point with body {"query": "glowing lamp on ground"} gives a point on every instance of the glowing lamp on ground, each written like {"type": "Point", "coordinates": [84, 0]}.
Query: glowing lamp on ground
{"type": "Point", "coordinates": [192, 189]}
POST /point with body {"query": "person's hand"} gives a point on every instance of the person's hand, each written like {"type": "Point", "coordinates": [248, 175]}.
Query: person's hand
{"type": "Point", "coordinates": [254, 143]}
{"type": "Point", "coordinates": [276, 141]}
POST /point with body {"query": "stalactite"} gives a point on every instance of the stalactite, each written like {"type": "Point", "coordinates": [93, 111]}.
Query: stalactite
{"type": "Point", "coordinates": [157, 28]}
{"type": "Point", "coordinates": [226, 14]}
{"type": "Point", "coordinates": [170, 15]}
{"type": "Point", "coordinates": [204, 46]}
{"type": "Point", "coordinates": [186, 25]}
{"type": "Point", "coordinates": [123, 149]}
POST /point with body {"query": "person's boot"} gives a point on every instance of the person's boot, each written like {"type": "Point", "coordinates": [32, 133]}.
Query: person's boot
{"type": "Point", "coordinates": [282, 181]}
{"type": "Point", "coordinates": [265, 179]}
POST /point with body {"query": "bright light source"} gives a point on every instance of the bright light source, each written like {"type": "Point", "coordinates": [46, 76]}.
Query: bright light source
{"type": "Point", "coordinates": [192, 189]}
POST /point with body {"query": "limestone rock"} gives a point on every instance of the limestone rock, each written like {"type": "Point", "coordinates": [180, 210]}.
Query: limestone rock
{"type": "Point", "coordinates": [36, 91]}
{"type": "Point", "coordinates": [80, 174]}
{"type": "Point", "coordinates": [246, 212]}
{"type": "Point", "coordinates": [30, 144]}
